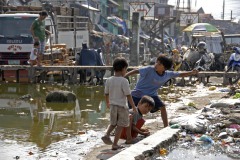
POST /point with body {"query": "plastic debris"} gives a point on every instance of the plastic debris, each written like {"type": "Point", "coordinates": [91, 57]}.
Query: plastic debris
{"type": "Point", "coordinates": [191, 104]}
{"type": "Point", "coordinates": [224, 90]}
{"type": "Point", "coordinates": [212, 88]}
{"type": "Point", "coordinates": [235, 126]}
{"type": "Point", "coordinates": [175, 126]}
{"type": "Point", "coordinates": [30, 153]}
{"type": "Point", "coordinates": [236, 96]}
{"type": "Point", "coordinates": [163, 151]}
{"type": "Point", "coordinates": [206, 138]}
{"type": "Point", "coordinates": [223, 135]}
{"type": "Point", "coordinates": [81, 132]}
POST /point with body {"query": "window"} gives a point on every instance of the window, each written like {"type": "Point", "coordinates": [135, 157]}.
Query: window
{"type": "Point", "coordinates": [12, 26]}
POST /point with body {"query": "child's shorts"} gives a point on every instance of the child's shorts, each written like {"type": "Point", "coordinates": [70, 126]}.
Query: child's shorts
{"type": "Point", "coordinates": [119, 116]}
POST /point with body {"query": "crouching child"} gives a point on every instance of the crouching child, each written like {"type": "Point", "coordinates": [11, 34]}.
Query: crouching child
{"type": "Point", "coordinates": [145, 105]}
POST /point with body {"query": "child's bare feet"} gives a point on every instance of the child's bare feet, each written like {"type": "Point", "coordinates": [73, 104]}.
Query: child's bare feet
{"type": "Point", "coordinates": [116, 147]}
{"type": "Point", "coordinates": [129, 142]}
{"type": "Point", "coordinates": [107, 140]}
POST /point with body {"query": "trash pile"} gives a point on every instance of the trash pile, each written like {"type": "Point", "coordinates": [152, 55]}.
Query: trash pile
{"type": "Point", "coordinates": [214, 129]}
{"type": "Point", "coordinates": [217, 128]}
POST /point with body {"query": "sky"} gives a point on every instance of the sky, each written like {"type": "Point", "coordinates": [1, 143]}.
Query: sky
{"type": "Point", "coordinates": [215, 7]}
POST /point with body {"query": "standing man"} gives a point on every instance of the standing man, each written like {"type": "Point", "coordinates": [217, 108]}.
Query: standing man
{"type": "Point", "coordinates": [39, 32]}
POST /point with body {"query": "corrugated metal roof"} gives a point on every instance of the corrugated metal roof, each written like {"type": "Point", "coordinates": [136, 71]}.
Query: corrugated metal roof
{"type": "Point", "coordinates": [113, 2]}
{"type": "Point", "coordinates": [90, 7]}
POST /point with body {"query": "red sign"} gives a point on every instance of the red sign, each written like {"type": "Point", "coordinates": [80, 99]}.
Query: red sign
{"type": "Point", "coordinates": [14, 48]}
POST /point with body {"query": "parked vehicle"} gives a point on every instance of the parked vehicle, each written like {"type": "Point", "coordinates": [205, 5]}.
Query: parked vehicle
{"type": "Point", "coordinates": [234, 64]}
{"type": "Point", "coordinates": [16, 40]}
{"type": "Point", "coordinates": [206, 59]}
{"type": "Point", "coordinates": [214, 45]}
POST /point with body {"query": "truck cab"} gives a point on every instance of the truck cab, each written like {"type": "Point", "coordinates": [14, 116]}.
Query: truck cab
{"type": "Point", "coordinates": [16, 39]}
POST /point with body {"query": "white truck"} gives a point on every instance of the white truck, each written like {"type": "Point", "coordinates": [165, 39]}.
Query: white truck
{"type": "Point", "coordinates": [16, 40]}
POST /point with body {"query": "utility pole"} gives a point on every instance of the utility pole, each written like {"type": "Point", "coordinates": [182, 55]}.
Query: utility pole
{"type": "Point", "coordinates": [223, 9]}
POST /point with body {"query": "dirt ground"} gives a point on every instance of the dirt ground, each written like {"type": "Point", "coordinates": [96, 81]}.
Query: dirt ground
{"type": "Point", "coordinates": [104, 151]}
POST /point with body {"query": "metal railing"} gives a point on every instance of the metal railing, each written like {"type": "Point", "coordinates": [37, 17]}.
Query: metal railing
{"type": "Point", "coordinates": [72, 22]}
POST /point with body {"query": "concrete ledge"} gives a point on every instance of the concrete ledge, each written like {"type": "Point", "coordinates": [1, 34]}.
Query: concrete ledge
{"type": "Point", "coordinates": [149, 146]}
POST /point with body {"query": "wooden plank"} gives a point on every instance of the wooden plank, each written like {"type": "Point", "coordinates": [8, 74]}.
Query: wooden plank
{"type": "Point", "coordinates": [15, 67]}
{"type": "Point", "coordinates": [73, 72]}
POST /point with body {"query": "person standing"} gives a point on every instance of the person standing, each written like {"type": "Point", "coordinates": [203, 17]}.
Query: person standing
{"type": "Point", "coordinates": [151, 79]}
{"type": "Point", "coordinates": [117, 94]}
{"type": "Point", "coordinates": [39, 32]}
{"type": "Point", "coordinates": [34, 54]}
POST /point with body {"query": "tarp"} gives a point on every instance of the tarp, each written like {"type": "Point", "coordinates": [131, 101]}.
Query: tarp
{"type": "Point", "coordinates": [214, 44]}
{"type": "Point", "coordinates": [89, 57]}
{"type": "Point", "coordinates": [120, 22]}
{"type": "Point", "coordinates": [102, 29]}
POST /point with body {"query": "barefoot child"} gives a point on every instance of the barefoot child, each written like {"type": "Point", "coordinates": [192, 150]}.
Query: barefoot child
{"type": "Point", "coordinates": [117, 94]}
{"type": "Point", "coordinates": [145, 105]}
{"type": "Point", "coordinates": [34, 54]}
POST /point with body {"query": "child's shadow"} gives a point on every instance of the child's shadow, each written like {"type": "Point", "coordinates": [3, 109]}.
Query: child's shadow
{"type": "Point", "coordinates": [107, 153]}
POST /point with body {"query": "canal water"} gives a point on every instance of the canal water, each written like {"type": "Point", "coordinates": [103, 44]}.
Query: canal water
{"type": "Point", "coordinates": [188, 151]}
{"type": "Point", "coordinates": [29, 125]}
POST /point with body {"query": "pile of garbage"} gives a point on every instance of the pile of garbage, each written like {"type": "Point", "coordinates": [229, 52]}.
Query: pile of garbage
{"type": "Point", "coordinates": [217, 126]}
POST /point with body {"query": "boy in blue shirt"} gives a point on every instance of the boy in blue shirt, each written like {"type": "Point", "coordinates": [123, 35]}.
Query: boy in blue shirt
{"type": "Point", "coordinates": [151, 79]}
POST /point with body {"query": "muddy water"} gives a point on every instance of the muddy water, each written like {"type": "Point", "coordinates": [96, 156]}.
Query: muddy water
{"type": "Point", "coordinates": [30, 127]}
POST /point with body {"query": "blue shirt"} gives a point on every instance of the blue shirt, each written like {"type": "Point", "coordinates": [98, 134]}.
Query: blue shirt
{"type": "Point", "coordinates": [150, 81]}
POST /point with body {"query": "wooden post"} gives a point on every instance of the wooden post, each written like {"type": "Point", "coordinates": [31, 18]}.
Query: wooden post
{"type": "Point", "coordinates": [17, 75]}
{"type": "Point", "coordinates": [108, 53]}
{"type": "Point", "coordinates": [225, 79]}
{"type": "Point", "coordinates": [2, 73]}
{"type": "Point", "coordinates": [62, 76]}
{"type": "Point", "coordinates": [92, 75]}
{"type": "Point", "coordinates": [74, 76]}
{"type": "Point", "coordinates": [134, 42]}
{"type": "Point", "coordinates": [31, 75]}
